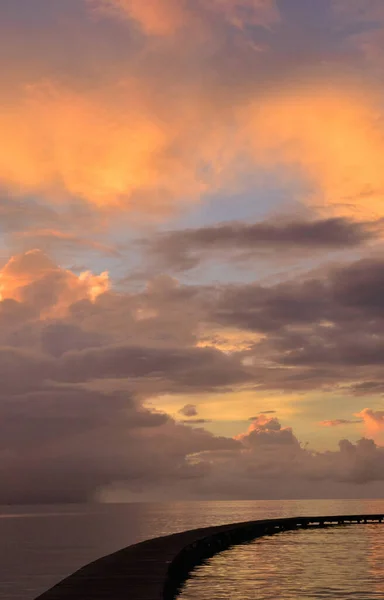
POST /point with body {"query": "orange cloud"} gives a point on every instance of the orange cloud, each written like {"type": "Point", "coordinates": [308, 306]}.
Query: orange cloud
{"type": "Point", "coordinates": [118, 148]}
{"type": "Point", "coordinates": [60, 141]}
{"type": "Point", "coordinates": [149, 142]}
{"type": "Point", "coordinates": [229, 339]}
{"type": "Point", "coordinates": [155, 17]}
{"type": "Point", "coordinates": [33, 278]}
{"type": "Point", "coordinates": [167, 17]}
{"type": "Point", "coordinates": [267, 430]}
{"type": "Point", "coordinates": [332, 137]}
{"type": "Point", "coordinates": [57, 236]}
{"type": "Point", "coordinates": [373, 421]}
{"type": "Point", "coordinates": [337, 422]}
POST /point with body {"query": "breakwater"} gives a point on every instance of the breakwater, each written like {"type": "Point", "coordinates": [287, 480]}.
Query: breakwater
{"type": "Point", "coordinates": [156, 568]}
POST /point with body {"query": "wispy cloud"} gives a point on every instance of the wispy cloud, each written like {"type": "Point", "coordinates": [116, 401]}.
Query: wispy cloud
{"type": "Point", "coordinates": [168, 17]}
{"type": "Point", "coordinates": [338, 422]}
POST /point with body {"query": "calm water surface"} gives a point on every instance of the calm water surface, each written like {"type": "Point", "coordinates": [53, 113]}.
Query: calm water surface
{"type": "Point", "coordinates": [41, 545]}
{"type": "Point", "coordinates": [345, 562]}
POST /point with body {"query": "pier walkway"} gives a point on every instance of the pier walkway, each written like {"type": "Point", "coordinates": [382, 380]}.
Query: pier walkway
{"type": "Point", "coordinates": [155, 569]}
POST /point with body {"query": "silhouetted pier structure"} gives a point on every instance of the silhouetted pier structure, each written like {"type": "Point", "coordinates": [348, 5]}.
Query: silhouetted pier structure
{"type": "Point", "coordinates": [156, 568]}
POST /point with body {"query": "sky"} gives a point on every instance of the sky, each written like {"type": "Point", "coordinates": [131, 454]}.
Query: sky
{"type": "Point", "coordinates": [191, 249]}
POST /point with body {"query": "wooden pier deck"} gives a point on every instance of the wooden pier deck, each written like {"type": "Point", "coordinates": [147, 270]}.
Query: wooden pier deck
{"type": "Point", "coordinates": [155, 569]}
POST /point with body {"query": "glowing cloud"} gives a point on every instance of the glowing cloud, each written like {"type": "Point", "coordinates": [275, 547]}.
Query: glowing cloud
{"type": "Point", "coordinates": [373, 421]}
{"type": "Point", "coordinates": [164, 126]}
{"type": "Point", "coordinates": [116, 148]}
{"type": "Point", "coordinates": [34, 279]}
{"type": "Point", "coordinates": [227, 339]}
{"type": "Point", "coordinates": [338, 422]}
{"type": "Point", "coordinates": [340, 161]}
{"type": "Point", "coordinates": [62, 142]}
{"type": "Point", "coordinates": [167, 17]}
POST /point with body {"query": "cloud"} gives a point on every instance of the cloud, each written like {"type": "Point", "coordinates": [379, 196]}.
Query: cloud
{"type": "Point", "coordinates": [273, 463]}
{"type": "Point", "coordinates": [22, 215]}
{"type": "Point", "coordinates": [47, 239]}
{"type": "Point", "coordinates": [75, 445]}
{"type": "Point", "coordinates": [261, 414]}
{"type": "Point", "coordinates": [267, 430]}
{"type": "Point", "coordinates": [340, 162]}
{"type": "Point", "coordinates": [373, 421]}
{"type": "Point", "coordinates": [32, 278]}
{"type": "Point", "coordinates": [195, 421]}
{"type": "Point", "coordinates": [175, 369]}
{"type": "Point", "coordinates": [121, 113]}
{"type": "Point", "coordinates": [321, 330]}
{"type": "Point", "coordinates": [156, 17]}
{"type": "Point", "coordinates": [64, 446]}
{"type": "Point", "coordinates": [148, 124]}
{"type": "Point", "coordinates": [337, 422]}
{"type": "Point", "coordinates": [359, 11]}
{"type": "Point", "coordinates": [96, 146]}
{"type": "Point", "coordinates": [228, 340]}
{"type": "Point", "coordinates": [75, 417]}
{"type": "Point", "coordinates": [189, 410]}
{"type": "Point", "coordinates": [81, 331]}
{"type": "Point", "coordinates": [114, 147]}
{"type": "Point", "coordinates": [185, 249]}
{"type": "Point", "coordinates": [366, 387]}
{"type": "Point", "coordinates": [168, 17]}
{"type": "Point", "coordinates": [62, 439]}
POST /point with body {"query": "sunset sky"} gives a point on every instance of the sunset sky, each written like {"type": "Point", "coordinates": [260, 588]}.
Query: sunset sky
{"type": "Point", "coordinates": [192, 236]}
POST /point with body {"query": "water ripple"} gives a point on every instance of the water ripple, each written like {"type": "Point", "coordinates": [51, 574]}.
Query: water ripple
{"type": "Point", "coordinates": [342, 562]}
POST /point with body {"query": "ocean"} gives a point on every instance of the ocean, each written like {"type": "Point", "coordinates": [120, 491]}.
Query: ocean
{"type": "Point", "coordinates": [40, 545]}
{"type": "Point", "coordinates": [342, 562]}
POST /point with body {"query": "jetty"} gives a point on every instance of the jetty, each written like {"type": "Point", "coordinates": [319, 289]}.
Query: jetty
{"type": "Point", "coordinates": [156, 569]}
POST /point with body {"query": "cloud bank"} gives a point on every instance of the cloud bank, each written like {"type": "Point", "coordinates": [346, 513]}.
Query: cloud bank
{"type": "Point", "coordinates": [71, 432]}
{"type": "Point", "coordinates": [144, 139]}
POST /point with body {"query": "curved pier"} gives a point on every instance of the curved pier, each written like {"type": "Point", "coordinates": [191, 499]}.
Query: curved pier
{"type": "Point", "coordinates": [155, 569]}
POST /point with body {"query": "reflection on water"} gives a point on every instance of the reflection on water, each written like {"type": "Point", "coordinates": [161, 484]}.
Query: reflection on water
{"type": "Point", "coordinates": [342, 562]}
{"type": "Point", "coordinates": [40, 545]}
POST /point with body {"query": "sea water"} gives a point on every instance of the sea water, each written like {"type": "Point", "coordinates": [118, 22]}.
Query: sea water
{"type": "Point", "coordinates": [342, 562]}
{"type": "Point", "coordinates": [40, 545]}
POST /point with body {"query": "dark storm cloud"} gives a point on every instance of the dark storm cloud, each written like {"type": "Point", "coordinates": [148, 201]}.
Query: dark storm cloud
{"type": "Point", "coordinates": [345, 294]}
{"type": "Point", "coordinates": [153, 369]}
{"type": "Point", "coordinates": [366, 388]}
{"type": "Point", "coordinates": [261, 308]}
{"type": "Point", "coordinates": [320, 331]}
{"type": "Point", "coordinates": [66, 433]}
{"type": "Point", "coordinates": [66, 444]}
{"type": "Point", "coordinates": [187, 368]}
{"type": "Point", "coordinates": [185, 249]}
{"type": "Point", "coordinates": [323, 330]}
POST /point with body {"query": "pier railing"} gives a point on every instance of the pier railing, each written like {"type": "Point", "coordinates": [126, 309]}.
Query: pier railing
{"type": "Point", "coordinates": [155, 569]}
